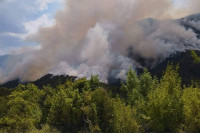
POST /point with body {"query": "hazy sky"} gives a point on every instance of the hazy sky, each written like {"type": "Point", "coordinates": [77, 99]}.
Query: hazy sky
{"type": "Point", "coordinates": [19, 18]}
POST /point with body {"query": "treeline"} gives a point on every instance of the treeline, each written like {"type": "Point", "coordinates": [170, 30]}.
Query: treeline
{"type": "Point", "coordinates": [142, 104]}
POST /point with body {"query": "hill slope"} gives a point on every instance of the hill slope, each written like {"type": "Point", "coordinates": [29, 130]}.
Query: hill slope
{"type": "Point", "coordinates": [188, 69]}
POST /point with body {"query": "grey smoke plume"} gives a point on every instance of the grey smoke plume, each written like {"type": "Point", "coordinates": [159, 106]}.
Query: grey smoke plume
{"type": "Point", "coordinates": [104, 37]}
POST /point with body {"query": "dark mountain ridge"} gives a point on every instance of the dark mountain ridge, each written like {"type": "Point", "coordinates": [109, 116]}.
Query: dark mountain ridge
{"type": "Point", "coordinates": [189, 71]}
{"type": "Point", "coordinates": [47, 79]}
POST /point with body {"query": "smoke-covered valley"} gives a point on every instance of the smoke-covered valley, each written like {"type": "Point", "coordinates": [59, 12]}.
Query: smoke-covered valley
{"type": "Point", "coordinates": [106, 38]}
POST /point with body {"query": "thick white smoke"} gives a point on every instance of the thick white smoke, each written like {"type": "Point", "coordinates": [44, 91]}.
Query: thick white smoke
{"type": "Point", "coordinates": [104, 37]}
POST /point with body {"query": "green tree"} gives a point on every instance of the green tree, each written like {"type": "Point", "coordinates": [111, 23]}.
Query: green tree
{"type": "Point", "coordinates": [46, 102]}
{"type": "Point", "coordinates": [164, 107]}
{"type": "Point", "coordinates": [131, 88]}
{"type": "Point", "coordinates": [65, 108]}
{"type": "Point", "coordinates": [113, 114]}
{"type": "Point", "coordinates": [104, 108]}
{"type": "Point", "coordinates": [195, 57]}
{"type": "Point", "coordinates": [191, 109]}
{"type": "Point", "coordinates": [123, 118]}
{"type": "Point", "coordinates": [45, 129]}
{"type": "Point", "coordinates": [94, 82]}
{"type": "Point", "coordinates": [147, 83]}
{"type": "Point", "coordinates": [3, 106]}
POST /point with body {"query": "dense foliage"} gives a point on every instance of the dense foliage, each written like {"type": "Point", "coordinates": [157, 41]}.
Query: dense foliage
{"type": "Point", "coordinates": [142, 104]}
{"type": "Point", "coordinates": [195, 57]}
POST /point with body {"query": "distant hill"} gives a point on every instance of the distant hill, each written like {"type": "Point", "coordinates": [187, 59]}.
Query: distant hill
{"type": "Point", "coordinates": [48, 79]}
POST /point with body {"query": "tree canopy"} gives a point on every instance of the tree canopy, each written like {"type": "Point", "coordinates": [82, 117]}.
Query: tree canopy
{"type": "Point", "coordinates": [142, 104]}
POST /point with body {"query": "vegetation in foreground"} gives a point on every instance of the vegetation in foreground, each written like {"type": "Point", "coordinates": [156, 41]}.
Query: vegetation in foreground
{"type": "Point", "coordinates": [142, 104]}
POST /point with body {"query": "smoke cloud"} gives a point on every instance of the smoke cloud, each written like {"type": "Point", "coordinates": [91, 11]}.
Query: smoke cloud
{"type": "Point", "coordinates": [106, 37]}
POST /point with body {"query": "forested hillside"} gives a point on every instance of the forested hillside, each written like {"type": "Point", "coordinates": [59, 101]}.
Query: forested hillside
{"type": "Point", "coordinates": [142, 104]}
{"type": "Point", "coordinates": [189, 62]}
